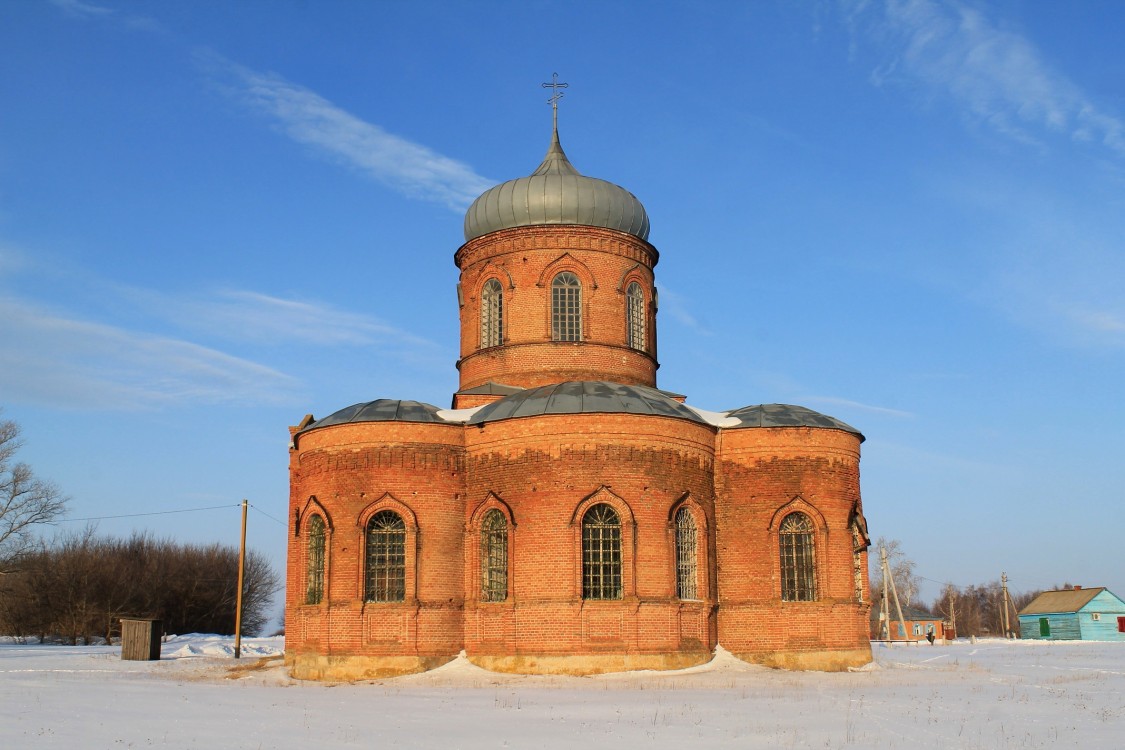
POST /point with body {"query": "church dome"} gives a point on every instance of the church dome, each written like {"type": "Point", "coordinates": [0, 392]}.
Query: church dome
{"type": "Point", "coordinates": [556, 193]}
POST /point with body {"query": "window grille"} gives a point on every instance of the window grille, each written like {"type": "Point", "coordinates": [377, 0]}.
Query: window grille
{"type": "Point", "coordinates": [798, 559]}
{"type": "Point", "coordinates": [314, 592]}
{"type": "Point", "coordinates": [386, 558]}
{"type": "Point", "coordinates": [601, 553]}
{"type": "Point", "coordinates": [494, 557]}
{"type": "Point", "coordinates": [491, 314]}
{"type": "Point", "coordinates": [566, 307]}
{"type": "Point", "coordinates": [635, 316]}
{"type": "Point", "coordinates": [686, 555]}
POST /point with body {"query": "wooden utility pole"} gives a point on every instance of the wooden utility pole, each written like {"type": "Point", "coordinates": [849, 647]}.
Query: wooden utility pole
{"type": "Point", "coordinates": [1004, 588]}
{"type": "Point", "coordinates": [952, 614]}
{"type": "Point", "coordinates": [889, 579]}
{"type": "Point", "coordinates": [238, 599]}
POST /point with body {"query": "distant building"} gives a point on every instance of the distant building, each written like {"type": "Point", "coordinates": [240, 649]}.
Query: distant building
{"type": "Point", "coordinates": [565, 515]}
{"type": "Point", "coordinates": [1075, 614]}
{"type": "Point", "coordinates": [918, 624]}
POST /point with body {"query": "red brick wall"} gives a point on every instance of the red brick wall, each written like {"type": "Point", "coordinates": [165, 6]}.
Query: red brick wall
{"type": "Point", "coordinates": [525, 260]}
{"type": "Point", "coordinates": [548, 470]}
{"type": "Point", "coordinates": [764, 474]}
{"type": "Point", "coordinates": [543, 472]}
{"type": "Point", "coordinates": [353, 471]}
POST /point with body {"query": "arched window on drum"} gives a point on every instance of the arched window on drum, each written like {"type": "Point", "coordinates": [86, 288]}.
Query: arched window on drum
{"type": "Point", "coordinates": [636, 322]}
{"type": "Point", "coordinates": [491, 314]}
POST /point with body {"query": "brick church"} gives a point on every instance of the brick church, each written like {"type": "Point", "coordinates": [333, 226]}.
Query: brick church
{"type": "Point", "coordinates": [565, 515]}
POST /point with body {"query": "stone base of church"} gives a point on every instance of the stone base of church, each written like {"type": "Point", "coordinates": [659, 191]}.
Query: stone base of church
{"type": "Point", "coordinates": [825, 660]}
{"type": "Point", "coordinates": [355, 668]}
{"type": "Point", "coordinates": [587, 664]}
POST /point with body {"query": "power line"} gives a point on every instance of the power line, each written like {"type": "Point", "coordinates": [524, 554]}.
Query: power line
{"type": "Point", "coordinates": [150, 513]}
{"type": "Point", "coordinates": [267, 515]}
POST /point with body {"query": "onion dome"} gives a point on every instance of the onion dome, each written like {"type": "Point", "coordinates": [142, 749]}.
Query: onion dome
{"type": "Point", "coordinates": [380, 410]}
{"type": "Point", "coordinates": [585, 397]}
{"type": "Point", "coordinates": [556, 193]}
{"type": "Point", "coordinates": [786, 415]}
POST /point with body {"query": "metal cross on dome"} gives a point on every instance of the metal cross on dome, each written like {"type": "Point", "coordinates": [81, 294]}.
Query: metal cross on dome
{"type": "Point", "coordinates": [556, 94]}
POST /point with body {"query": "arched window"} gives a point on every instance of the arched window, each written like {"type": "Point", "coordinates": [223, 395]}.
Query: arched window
{"type": "Point", "coordinates": [491, 314]}
{"type": "Point", "coordinates": [687, 565]}
{"type": "Point", "coordinates": [494, 557]}
{"type": "Point", "coordinates": [601, 553]}
{"type": "Point", "coordinates": [385, 564]}
{"type": "Point", "coordinates": [314, 591]}
{"type": "Point", "coordinates": [566, 307]}
{"type": "Point", "coordinates": [635, 321]}
{"type": "Point", "coordinates": [798, 559]}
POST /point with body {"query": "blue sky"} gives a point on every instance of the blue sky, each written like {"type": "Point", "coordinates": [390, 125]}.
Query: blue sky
{"type": "Point", "coordinates": [218, 217]}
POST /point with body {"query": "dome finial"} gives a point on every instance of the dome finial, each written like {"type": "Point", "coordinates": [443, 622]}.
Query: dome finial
{"type": "Point", "coordinates": [554, 85]}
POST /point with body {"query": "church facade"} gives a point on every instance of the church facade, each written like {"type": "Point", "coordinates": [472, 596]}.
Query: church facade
{"type": "Point", "coordinates": [565, 515]}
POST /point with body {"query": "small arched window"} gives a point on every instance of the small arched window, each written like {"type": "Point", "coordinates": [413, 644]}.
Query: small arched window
{"type": "Point", "coordinates": [601, 553]}
{"type": "Point", "coordinates": [494, 557]}
{"type": "Point", "coordinates": [687, 556]}
{"type": "Point", "coordinates": [635, 320]}
{"type": "Point", "coordinates": [566, 307]}
{"type": "Point", "coordinates": [798, 558]}
{"type": "Point", "coordinates": [491, 314]}
{"type": "Point", "coordinates": [314, 590]}
{"type": "Point", "coordinates": [385, 564]}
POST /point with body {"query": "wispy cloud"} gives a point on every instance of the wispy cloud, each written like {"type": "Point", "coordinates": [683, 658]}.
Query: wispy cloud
{"type": "Point", "coordinates": [997, 76]}
{"type": "Point", "coordinates": [78, 8]}
{"type": "Point", "coordinates": [254, 317]}
{"type": "Point", "coordinates": [858, 405]}
{"type": "Point", "coordinates": [63, 361]}
{"type": "Point", "coordinates": [308, 118]}
{"type": "Point", "coordinates": [675, 305]}
{"type": "Point", "coordinates": [88, 11]}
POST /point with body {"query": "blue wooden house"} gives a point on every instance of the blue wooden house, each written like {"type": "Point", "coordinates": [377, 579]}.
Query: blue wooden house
{"type": "Point", "coordinates": [1075, 614]}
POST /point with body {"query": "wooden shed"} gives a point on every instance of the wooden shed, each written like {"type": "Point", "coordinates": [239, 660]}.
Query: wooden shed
{"type": "Point", "coordinates": [1077, 614]}
{"type": "Point", "coordinates": [140, 639]}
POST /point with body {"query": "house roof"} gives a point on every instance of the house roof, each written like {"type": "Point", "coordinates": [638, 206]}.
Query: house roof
{"type": "Point", "coordinates": [1068, 600]}
{"type": "Point", "coordinates": [911, 614]}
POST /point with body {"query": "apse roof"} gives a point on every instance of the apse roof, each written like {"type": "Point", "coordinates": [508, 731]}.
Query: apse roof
{"type": "Point", "coordinates": [556, 193]}
{"type": "Point", "coordinates": [585, 397]}
{"type": "Point", "coordinates": [786, 415]}
{"type": "Point", "coordinates": [381, 410]}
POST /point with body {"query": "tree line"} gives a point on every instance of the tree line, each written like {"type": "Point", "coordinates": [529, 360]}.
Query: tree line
{"type": "Point", "coordinates": [976, 610]}
{"type": "Point", "coordinates": [78, 587]}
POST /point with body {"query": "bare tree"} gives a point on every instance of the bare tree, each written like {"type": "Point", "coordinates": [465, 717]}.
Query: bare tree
{"type": "Point", "coordinates": [906, 581]}
{"type": "Point", "coordinates": [26, 501]}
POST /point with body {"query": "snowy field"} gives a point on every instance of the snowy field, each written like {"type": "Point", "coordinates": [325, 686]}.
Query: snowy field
{"type": "Point", "coordinates": [991, 694]}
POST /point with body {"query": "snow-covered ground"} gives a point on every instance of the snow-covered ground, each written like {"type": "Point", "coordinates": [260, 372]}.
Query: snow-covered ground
{"type": "Point", "coordinates": [991, 694]}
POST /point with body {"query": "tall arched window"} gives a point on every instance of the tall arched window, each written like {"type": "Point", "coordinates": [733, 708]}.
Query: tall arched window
{"type": "Point", "coordinates": [635, 321]}
{"type": "Point", "coordinates": [798, 558]}
{"type": "Point", "coordinates": [491, 314]}
{"type": "Point", "coordinates": [601, 553]}
{"type": "Point", "coordinates": [566, 307]}
{"type": "Point", "coordinates": [385, 564]}
{"type": "Point", "coordinates": [494, 557]}
{"type": "Point", "coordinates": [687, 556]}
{"type": "Point", "coordinates": [314, 590]}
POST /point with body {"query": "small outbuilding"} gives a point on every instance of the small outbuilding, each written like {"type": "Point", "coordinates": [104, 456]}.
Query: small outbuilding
{"type": "Point", "coordinates": [1077, 614]}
